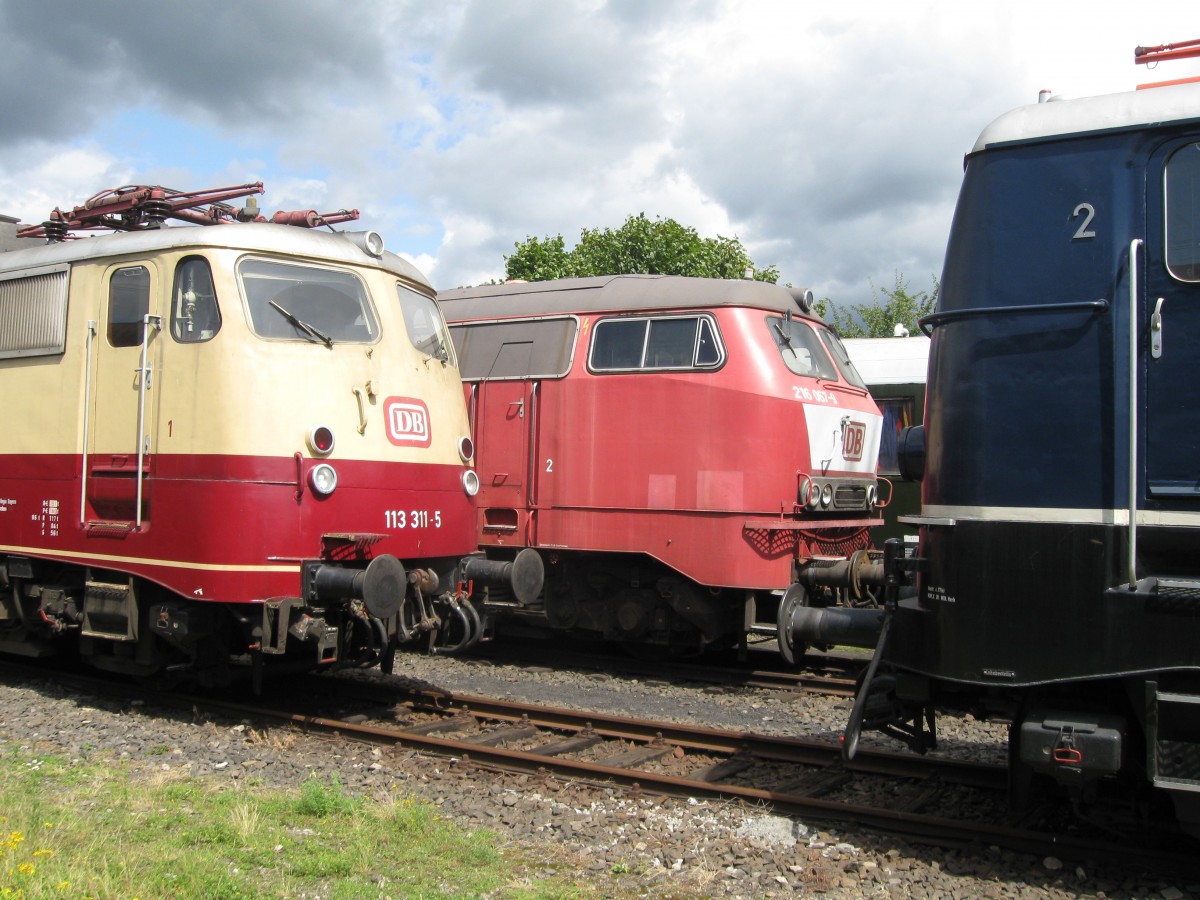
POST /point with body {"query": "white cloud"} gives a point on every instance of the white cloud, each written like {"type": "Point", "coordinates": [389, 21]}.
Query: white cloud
{"type": "Point", "coordinates": [828, 139]}
{"type": "Point", "coordinates": [57, 177]}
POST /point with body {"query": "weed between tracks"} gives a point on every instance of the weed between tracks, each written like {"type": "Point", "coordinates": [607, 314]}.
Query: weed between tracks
{"type": "Point", "coordinates": [100, 831]}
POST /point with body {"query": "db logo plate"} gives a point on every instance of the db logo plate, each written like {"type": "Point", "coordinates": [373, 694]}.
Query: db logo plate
{"type": "Point", "coordinates": [407, 422]}
{"type": "Point", "coordinates": [854, 435]}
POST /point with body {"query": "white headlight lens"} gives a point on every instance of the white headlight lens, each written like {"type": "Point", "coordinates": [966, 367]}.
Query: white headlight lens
{"type": "Point", "coordinates": [827, 495]}
{"type": "Point", "coordinates": [323, 479]}
{"type": "Point", "coordinates": [814, 496]}
{"type": "Point", "coordinates": [872, 496]}
{"type": "Point", "coordinates": [370, 242]}
{"type": "Point", "coordinates": [470, 482]}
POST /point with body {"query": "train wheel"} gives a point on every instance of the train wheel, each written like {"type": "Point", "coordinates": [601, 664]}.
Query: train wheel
{"type": "Point", "coordinates": [634, 613]}
{"type": "Point", "coordinates": [791, 650]}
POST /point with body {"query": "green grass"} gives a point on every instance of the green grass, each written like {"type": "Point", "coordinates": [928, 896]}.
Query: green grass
{"type": "Point", "coordinates": [97, 830]}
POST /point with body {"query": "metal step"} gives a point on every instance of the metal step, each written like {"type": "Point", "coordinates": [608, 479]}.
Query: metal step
{"type": "Point", "coordinates": [1185, 589]}
{"type": "Point", "coordinates": [1177, 741]}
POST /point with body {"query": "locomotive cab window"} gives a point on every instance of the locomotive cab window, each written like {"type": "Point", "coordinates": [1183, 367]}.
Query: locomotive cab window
{"type": "Point", "coordinates": [1182, 189]}
{"type": "Point", "coordinates": [295, 302]}
{"type": "Point", "coordinates": [128, 303]}
{"type": "Point", "coordinates": [195, 316]}
{"type": "Point", "coordinates": [801, 349]}
{"type": "Point", "coordinates": [423, 320]}
{"type": "Point", "coordinates": [841, 356]}
{"type": "Point", "coordinates": [668, 342]}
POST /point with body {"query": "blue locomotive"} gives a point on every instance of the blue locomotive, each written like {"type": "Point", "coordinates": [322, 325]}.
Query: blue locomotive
{"type": "Point", "coordinates": [1056, 583]}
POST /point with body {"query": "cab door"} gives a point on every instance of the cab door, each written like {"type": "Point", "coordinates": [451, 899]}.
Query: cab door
{"type": "Point", "coordinates": [1171, 322]}
{"type": "Point", "coordinates": [504, 414]}
{"type": "Point", "coordinates": [126, 354]}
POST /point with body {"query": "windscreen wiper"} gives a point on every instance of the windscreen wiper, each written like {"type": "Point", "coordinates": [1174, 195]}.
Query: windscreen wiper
{"type": "Point", "coordinates": [304, 326]}
{"type": "Point", "coordinates": [785, 337]}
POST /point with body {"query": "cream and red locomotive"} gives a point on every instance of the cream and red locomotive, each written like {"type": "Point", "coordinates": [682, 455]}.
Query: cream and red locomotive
{"type": "Point", "coordinates": [225, 447]}
{"type": "Point", "coordinates": [681, 451]}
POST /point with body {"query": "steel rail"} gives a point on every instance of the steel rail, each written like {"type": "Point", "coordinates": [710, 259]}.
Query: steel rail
{"type": "Point", "coordinates": [936, 829]}
{"type": "Point", "coordinates": [931, 829]}
{"type": "Point", "coordinates": [532, 653]}
{"type": "Point", "coordinates": [713, 740]}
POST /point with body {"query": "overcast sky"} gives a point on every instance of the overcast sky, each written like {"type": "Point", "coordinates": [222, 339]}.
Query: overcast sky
{"type": "Point", "coordinates": [827, 137]}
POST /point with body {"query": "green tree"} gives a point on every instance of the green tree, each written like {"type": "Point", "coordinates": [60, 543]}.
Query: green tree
{"type": "Point", "coordinates": [895, 306]}
{"type": "Point", "coordinates": [641, 246]}
{"type": "Point", "coordinates": [538, 259]}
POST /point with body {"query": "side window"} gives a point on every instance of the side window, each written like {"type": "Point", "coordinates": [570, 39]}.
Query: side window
{"type": "Point", "coordinates": [1182, 188]}
{"type": "Point", "coordinates": [672, 343]}
{"type": "Point", "coordinates": [128, 303]}
{"type": "Point", "coordinates": [668, 342]}
{"type": "Point", "coordinates": [618, 344]}
{"type": "Point", "coordinates": [708, 351]}
{"type": "Point", "coordinates": [195, 316]}
{"type": "Point", "coordinates": [423, 320]}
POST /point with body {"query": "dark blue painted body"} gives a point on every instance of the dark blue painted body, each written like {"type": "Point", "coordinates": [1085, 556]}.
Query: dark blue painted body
{"type": "Point", "coordinates": [1028, 419]}
{"type": "Point", "coordinates": [1058, 569]}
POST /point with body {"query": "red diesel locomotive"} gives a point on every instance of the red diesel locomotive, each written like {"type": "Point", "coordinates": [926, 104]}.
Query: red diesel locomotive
{"type": "Point", "coordinates": [680, 451]}
{"type": "Point", "coordinates": [225, 448]}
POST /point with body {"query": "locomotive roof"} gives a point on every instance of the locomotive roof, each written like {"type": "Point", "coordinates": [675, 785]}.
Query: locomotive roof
{"type": "Point", "coordinates": [250, 236]}
{"type": "Point", "coordinates": [1062, 117]}
{"type": "Point", "coordinates": [611, 293]}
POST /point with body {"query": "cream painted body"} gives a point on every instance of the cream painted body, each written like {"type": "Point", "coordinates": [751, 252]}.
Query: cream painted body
{"type": "Point", "coordinates": [237, 394]}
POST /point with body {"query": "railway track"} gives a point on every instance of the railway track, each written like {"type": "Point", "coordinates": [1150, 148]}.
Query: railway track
{"type": "Point", "coordinates": [941, 801]}
{"type": "Point", "coordinates": [833, 674]}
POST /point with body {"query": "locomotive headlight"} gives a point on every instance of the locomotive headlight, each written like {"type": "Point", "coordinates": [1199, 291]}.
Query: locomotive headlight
{"type": "Point", "coordinates": [470, 482]}
{"type": "Point", "coordinates": [804, 491]}
{"type": "Point", "coordinates": [466, 449]}
{"type": "Point", "coordinates": [320, 440]}
{"type": "Point", "coordinates": [370, 242]}
{"type": "Point", "coordinates": [814, 496]}
{"type": "Point", "coordinates": [827, 495]}
{"type": "Point", "coordinates": [872, 496]}
{"type": "Point", "coordinates": [323, 479]}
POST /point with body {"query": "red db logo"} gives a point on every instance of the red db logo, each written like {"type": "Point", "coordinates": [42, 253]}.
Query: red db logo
{"type": "Point", "coordinates": [854, 435]}
{"type": "Point", "coordinates": [407, 422]}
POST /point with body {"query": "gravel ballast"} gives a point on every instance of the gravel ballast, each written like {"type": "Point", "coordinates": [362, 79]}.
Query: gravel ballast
{"type": "Point", "coordinates": [624, 845]}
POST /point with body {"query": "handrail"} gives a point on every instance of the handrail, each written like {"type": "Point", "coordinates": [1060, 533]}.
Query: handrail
{"type": "Point", "coordinates": [144, 374]}
{"type": "Point", "coordinates": [932, 321]}
{"type": "Point", "coordinates": [87, 417]}
{"type": "Point", "coordinates": [1133, 410]}
{"type": "Point", "coordinates": [531, 494]}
